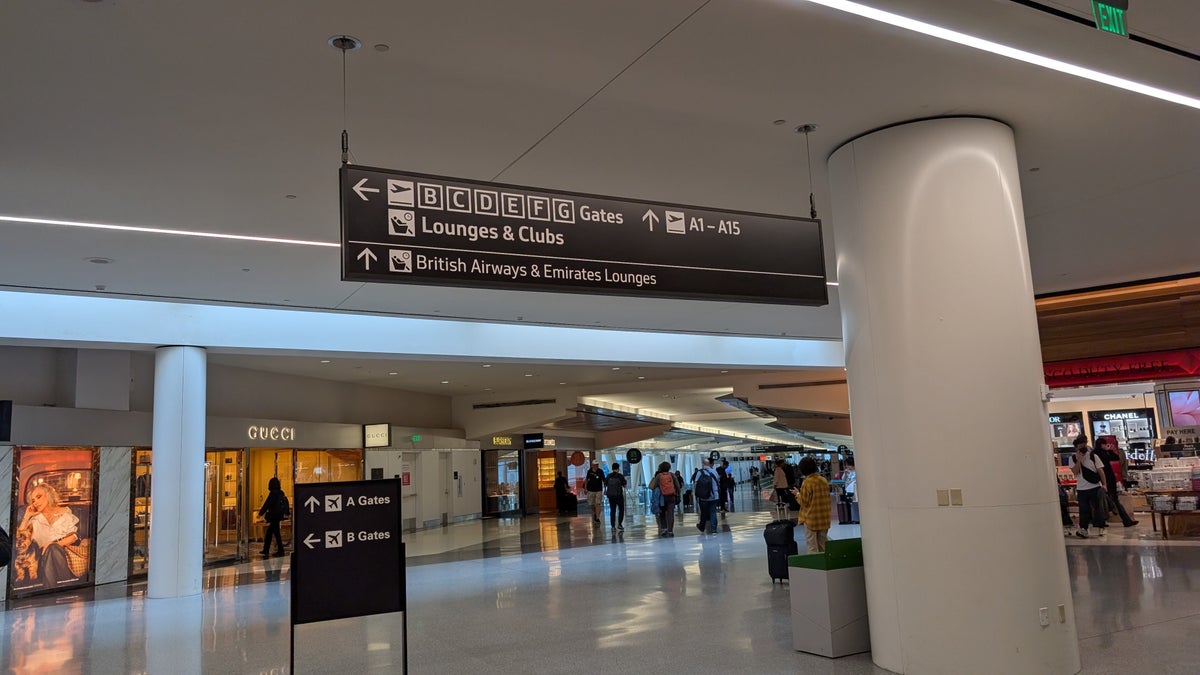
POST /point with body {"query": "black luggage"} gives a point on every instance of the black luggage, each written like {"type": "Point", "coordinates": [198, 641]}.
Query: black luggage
{"type": "Point", "coordinates": [843, 512]}
{"type": "Point", "coordinates": [781, 542]}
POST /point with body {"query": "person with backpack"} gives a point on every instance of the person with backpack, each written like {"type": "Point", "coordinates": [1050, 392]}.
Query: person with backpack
{"type": "Point", "coordinates": [708, 492]}
{"type": "Point", "coordinates": [614, 487]}
{"type": "Point", "coordinates": [664, 480]}
{"type": "Point", "coordinates": [275, 509]}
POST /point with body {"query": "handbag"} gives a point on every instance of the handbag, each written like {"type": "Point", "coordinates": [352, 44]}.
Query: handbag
{"type": "Point", "coordinates": [79, 557]}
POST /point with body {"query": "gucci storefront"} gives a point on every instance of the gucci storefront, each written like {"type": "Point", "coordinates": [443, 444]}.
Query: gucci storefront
{"type": "Point", "coordinates": [89, 473]}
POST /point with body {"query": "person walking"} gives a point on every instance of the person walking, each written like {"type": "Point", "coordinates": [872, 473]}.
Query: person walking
{"type": "Point", "coordinates": [614, 487]}
{"type": "Point", "coordinates": [815, 505]}
{"type": "Point", "coordinates": [664, 480]}
{"type": "Point", "coordinates": [728, 485]}
{"type": "Point", "coordinates": [708, 493]}
{"type": "Point", "coordinates": [1089, 481]}
{"type": "Point", "coordinates": [594, 484]}
{"type": "Point", "coordinates": [678, 492]}
{"type": "Point", "coordinates": [275, 509]}
{"type": "Point", "coordinates": [1106, 451]}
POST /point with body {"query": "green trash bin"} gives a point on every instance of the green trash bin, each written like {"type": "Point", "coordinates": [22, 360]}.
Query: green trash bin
{"type": "Point", "coordinates": [829, 600]}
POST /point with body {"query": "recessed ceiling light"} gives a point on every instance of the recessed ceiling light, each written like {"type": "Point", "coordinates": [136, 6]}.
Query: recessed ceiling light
{"type": "Point", "coordinates": [381, 47]}
{"type": "Point", "coordinates": [344, 43]}
{"type": "Point", "coordinates": [245, 269]}
{"type": "Point", "coordinates": [487, 365]}
{"type": "Point", "coordinates": [1034, 169]}
{"type": "Point", "coordinates": [724, 371]}
{"type": "Point", "coordinates": [445, 381]}
{"type": "Point", "coordinates": [778, 122]}
{"type": "Point", "coordinates": [1006, 51]}
{"type": "Point", "coordinates": [641, 377]}
{"type": "Point", "coordinates": [289, 196]}
{"type": "Point", "coordinates": [393, 373]}
{"type": "Point", "coordinates": [617, 368]}
{"type": "Point", "coordinates": [528, 374]}
{"type": "Point", "coordinates": [562, 382]}
{"type": "Point", "coordinates": [99, 260]}
{"type": "Point", "coordinates": [325, 361]}
{"type": "Point", "coordinates": [487, 388]}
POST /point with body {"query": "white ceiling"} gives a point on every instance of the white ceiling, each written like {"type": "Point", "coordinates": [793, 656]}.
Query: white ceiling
{"type": "Point", "coordinates": [204, 116]}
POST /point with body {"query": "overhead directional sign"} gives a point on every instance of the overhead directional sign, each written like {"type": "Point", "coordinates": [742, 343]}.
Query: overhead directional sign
{"type": "Point", "coordinates": [349, 557]}
{"type": "Point", "coordinates": [410, 228]}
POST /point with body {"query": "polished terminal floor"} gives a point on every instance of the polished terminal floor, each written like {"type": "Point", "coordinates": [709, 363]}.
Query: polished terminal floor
{"type": "Point", "coordinates": [560, 595]}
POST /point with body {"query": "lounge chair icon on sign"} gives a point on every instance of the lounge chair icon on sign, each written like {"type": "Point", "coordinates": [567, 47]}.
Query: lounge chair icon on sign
{"type": "Point", "coordinates": [400, 193]}
{"type": "Point", "coordinates": [675, 224]}
{"type": "Point", "coordinates": [400, 260]}
{"type": "Point", "coordinates": [401, 223]}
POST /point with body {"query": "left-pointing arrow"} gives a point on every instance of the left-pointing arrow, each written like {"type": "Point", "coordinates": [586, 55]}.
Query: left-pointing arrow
{"type": "Point", "coordinates": [360, 189]}
{"type": "Point", "coordinates": [367, 257]}
{"type": "Point", "coordinates": [309, 541]}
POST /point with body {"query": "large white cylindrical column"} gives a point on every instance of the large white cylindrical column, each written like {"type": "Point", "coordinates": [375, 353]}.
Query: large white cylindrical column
{"type": "Point", "coordinates": [176, 561]}
{"type": "Point", "coordinates": [945, 377]}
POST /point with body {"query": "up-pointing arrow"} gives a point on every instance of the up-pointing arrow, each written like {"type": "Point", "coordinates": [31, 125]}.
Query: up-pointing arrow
{"type": "Point", "coordinates": [367, 257]}
{"type": "Point", "coordinates": [309, 541]}
{"type": "Point", "coordinates": [650, 217]}
{"type": "Point", "coordinates": [360, 189]}
{"type": "Point", "coordinates": [312, 503]}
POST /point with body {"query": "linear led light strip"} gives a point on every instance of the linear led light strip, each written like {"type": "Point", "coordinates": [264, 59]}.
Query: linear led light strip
{"type": "Point", "coordinates": [1004, 50]}
{"type": "Point", "coordinates": [159, 230]}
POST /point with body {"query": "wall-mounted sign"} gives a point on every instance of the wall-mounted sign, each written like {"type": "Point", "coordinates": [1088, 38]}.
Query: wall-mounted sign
{"type": "Point", "coordinates": [1178, 363]}
{"type": "Point", "coordinates": [400, 227]}
{"type": "Point", "coordinates": [577, 458]}
{"type": "Point", "coordinates": [377, 435]}
{"type": "Point", "coordinates": [1127, 425]}
{"type": "Point", "coordinates": [550, 442]}
{"type": "Point", "coordinates": [534, 441]}
{"type": "Point", "coordinates": [1110, 15]}
{"type": "Point", "coordinates": [265, 433]}
{"type": "Point", "coordinates": [714, 456]}
{"type": "Point", "coordinates": [502, 441]}
{"type": "Point", "coordinates": [1064, 427]}
{"type": "Point", "coordinates": [633, 456]}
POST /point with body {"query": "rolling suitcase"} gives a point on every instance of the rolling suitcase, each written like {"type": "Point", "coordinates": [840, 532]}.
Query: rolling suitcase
{"type": "Point", "coordinates": [781, 542]}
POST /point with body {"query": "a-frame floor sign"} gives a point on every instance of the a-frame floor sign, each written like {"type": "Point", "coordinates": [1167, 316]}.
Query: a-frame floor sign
{"type": "Point", "coordinates": [347, 561]}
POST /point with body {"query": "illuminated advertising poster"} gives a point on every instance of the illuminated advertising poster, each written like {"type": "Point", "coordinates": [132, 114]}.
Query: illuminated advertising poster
{"type": "Point", "coordinates": [54, 520]}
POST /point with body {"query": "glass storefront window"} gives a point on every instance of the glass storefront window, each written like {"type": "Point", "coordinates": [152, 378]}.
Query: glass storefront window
{"type": "Point", "coordinates": [139, 512]}
{"type": "Point", "coordinates": [502, 481]}
{"type": "Point", "coordinates": [222, 496]}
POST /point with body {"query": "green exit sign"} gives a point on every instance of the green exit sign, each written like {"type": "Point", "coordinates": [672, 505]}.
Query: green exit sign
{"type": "Point", "coordinates": [1110, 16]}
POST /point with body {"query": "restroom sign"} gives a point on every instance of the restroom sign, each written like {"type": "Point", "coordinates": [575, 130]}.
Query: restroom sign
{"type": "Point", "coordinates": [349, 557]}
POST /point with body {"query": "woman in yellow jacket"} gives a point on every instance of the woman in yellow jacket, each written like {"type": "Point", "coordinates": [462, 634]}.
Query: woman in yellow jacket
{"type": "Point", "coordinates": [815, 505]}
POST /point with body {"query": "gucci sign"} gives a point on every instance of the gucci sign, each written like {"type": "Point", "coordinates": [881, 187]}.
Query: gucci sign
{"type": "Point", "coordinates": [261, 433]}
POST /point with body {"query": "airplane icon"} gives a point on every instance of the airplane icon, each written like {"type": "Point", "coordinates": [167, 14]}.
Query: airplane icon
{"type": "Point", "coordinates": [400, 192]}
{"type": "Point", "coordinates": [675, 223]}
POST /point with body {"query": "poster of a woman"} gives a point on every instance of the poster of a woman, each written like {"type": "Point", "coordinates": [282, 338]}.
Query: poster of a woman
{"type": "Point", "coordinates": [51, 542]}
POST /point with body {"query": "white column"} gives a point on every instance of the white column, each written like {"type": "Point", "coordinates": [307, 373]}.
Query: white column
{"type": "Point", "coordinates": [177, 498]}
{"type": "Point", "coordinates": [944, 370]}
